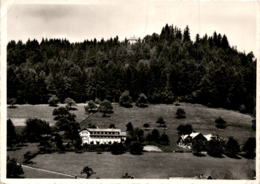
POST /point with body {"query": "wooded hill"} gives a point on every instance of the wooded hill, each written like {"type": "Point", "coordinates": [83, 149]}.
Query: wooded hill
{"type": "Point", "coordinates": [165, 67]}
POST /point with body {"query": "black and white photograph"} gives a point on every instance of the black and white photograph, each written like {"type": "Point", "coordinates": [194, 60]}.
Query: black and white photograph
{"type": "Point", "coordinates": [128, 90]}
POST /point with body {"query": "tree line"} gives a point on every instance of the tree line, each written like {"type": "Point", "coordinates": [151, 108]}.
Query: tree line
{"type": "Point", "coordinates": [165, 67]}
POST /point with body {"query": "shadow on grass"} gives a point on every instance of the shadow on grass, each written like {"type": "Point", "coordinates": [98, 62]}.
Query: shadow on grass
{"type": "Point", "coordinates": [199, 154]}
{"type": "Point", "coordinates": [248, 156]}
{"type": "Point", "coordinates": [216, 155]}
{"type": "Point", "coordinates": [233, 156]}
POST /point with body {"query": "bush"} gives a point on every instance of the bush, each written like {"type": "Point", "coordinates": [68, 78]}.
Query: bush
{"type": "Point", "coordinates": [161, 122]}
{"type": "Point", "coordinates": [13, 169]}
{"type": "Point", "coordinates": [184, 129]}
{"type": "Point", "coordinates": [254, 124]}
{"type": "Point", "coordinates": [28, 156]}
{"type": "Point", "coordinates": [220, 123]}
{"type": "Point", "coordinates": [142, 101]}
{"type": "Point", "coordinates": [69, 103]}
{"type": "Point", "coordinates": [11, 102]}
{"type": "Point", "coordinates": [112, 125]}
{"type": "Point", "coordinates": [87, 171]}
{"type": "Point", "coordinates": [53, 101]}
{"type": "Point", "coordinates": [197, 146]}
{"type": "Point", "coordinates": [106, 107]}
{"type": "Point", "coordinates": [117, 149]}
{"type": "Point", "coordinates": [164, 139]}
{"type": "Point", "coordinates": [215, 148]}
{"type": "Point", "coordinates": [180, 113]}
{"type": "Point", "coordinates": [155, 135]}
{"type": "Point", "coordinates": [61, 113]}
{"type": "Point", "coordinates": [91, 107]}
{"type": "Point", "coordinates": [146, 125]}
{"type": "Point", "coordinates": [232, 147]}
{"type": "Point", "coordinates": [249, 148]}
{"type": "Point", "coordinates": [136, 148]}
{"type": "Point", "coordinates": [11, 133]}
{"type": "Point", "coordinates": [125, 99]}
{"type": "Point", "coordinates": [35, 128]}
{"type": "Point", "coordinates": [129, 127]}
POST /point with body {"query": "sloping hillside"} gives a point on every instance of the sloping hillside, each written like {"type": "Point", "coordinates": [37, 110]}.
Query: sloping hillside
{"type": "Point", "coordinates": [200, 117]}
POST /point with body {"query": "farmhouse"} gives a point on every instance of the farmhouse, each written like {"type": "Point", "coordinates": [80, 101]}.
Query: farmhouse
{"type": "Point", "coordinates": [102, 136]}
{"type": "Point", "coordinates": [185, 141]}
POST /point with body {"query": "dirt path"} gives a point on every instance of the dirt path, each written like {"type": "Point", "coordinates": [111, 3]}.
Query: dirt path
{"type": "Point", "coordinates": [49, 171]}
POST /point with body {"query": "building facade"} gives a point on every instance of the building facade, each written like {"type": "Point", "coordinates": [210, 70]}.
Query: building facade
{"type": "Point", "coordinates": [185, 141]}
{"type": "Point", "coordinates": [102, 136]}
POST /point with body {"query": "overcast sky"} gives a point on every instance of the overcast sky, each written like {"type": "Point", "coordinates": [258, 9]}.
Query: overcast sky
{"type": "Point", "coordinates": [100, 19]}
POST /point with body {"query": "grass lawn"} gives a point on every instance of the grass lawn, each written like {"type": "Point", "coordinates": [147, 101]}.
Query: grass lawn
{"type": "Point", "coordinates": [18, 154]}
{"type": "Point", "coordinates": [200, 117]}
{"type": "Point", "coordinates": [42, 111]}
{"type": "Point", "coordinates": [148, 165]}
{"type": "Point", "coordinates": [33, 173]}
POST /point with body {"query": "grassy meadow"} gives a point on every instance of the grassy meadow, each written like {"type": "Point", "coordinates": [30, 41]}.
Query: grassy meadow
{"type": "Point", "coordinates": [151, 165]}
{"type": "Point", "coordinates": [148, 165]}
{"type": "Point", "coordinates": [200, 117]}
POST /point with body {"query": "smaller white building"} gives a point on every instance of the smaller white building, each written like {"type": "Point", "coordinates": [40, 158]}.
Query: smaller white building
{"type": "Point", "coordinates": [102, 136]}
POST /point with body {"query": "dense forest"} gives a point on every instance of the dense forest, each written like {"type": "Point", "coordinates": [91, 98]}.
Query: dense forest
{"type": "Point", "coordinates": [166, 67]}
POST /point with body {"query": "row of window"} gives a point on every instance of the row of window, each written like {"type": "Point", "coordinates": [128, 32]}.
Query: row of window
{"type": "Point", "coordinates": [104, 133]}
{"type": "Point", "coordinates": [97, 142]}
{"type": "Point", "coordinates": [103, 137]}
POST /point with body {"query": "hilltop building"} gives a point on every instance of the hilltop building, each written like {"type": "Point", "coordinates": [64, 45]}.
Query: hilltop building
{"type": "Point", "coordinates": [102, 136]}
{"type": "Point", "coordinates": [132, 40]}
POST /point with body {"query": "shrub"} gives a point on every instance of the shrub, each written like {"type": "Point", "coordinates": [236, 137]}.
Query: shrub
{"type": "Point", "coordinates": [11, 133]}
{"type": "Point", "coordinates": [254, 124]}
{"type": "Point", "coordinates": [91, 107]}
{"type": "Point", "coordinates": [69, 103]}
{"type": "Point", "coordinates": [215, 148]}
{"type": "Point", "coordinates": [249, 148]}
{"type": "Point", "coordinates": [28, 156]}
{"type": "Point", "coordinates": [232, 147]}
{"type": "Point", "coordinates": [12, 102]}
{"type": "Point", "coordinates": [125, 99]}
{"type": "Point", "coordinates": [149, 138]}
{"type": "Point", "coordinates": [197, 146]}
{"type": "Point", "coordinates": [220, 123]}
{"type": "Point", "coordinates": [117, 148]}
{"type": "Point", "coordinates": [184, 129]}
{"type": "Point", "coordinates": [97, 101]}
{"type": "Point", "coordinates": [164, 139]}
{"type": "Point", "coordinates": [142, 101]}
{"type": "Point", "coordinates": [88, 171]}
{"type": "Point", "coordinates": [129, 127]}
{"type": "Point", "coordinates": [161, 122]}
{"type": "Point", "coordinates": [13, 169]}
{"type": "Point", "coordinates": [106, 107]}
{"type": "Point", "coordinates": [112, 125]}
{"type": "Point", "coordinates": [53, 101]}
{"type": "Point", "coordinates": [61, 113]}
{"type": "Point", "coordinates": [35, 128]}
{"type": "Point", "coordinates": [155, 135]}
{"type": "Point", "coordinates": [136, 148]}
{"type": "Point", "coordinates": [180, 113]}
{"type": "Point", "coordinates": [146, 125]}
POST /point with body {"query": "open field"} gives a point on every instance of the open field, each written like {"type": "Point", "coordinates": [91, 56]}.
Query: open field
{"type": "Point", "coordinates": [200, 117]}
{"type": "Point", "coordinates": [42, 111]}
{"type": "Point", "coordinates": [148, 165]}
{"type": "Point", "coordinates": [152, 165]}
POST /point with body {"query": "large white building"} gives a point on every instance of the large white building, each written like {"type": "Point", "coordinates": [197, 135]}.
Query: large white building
{"type": "Point", "coordinates": [102, 136]}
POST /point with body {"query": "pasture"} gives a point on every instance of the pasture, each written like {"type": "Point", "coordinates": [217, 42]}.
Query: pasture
{"type": "Point", "coordinates": [200, 117]}
{"type": "Point", "coordinates": [148, 165]}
